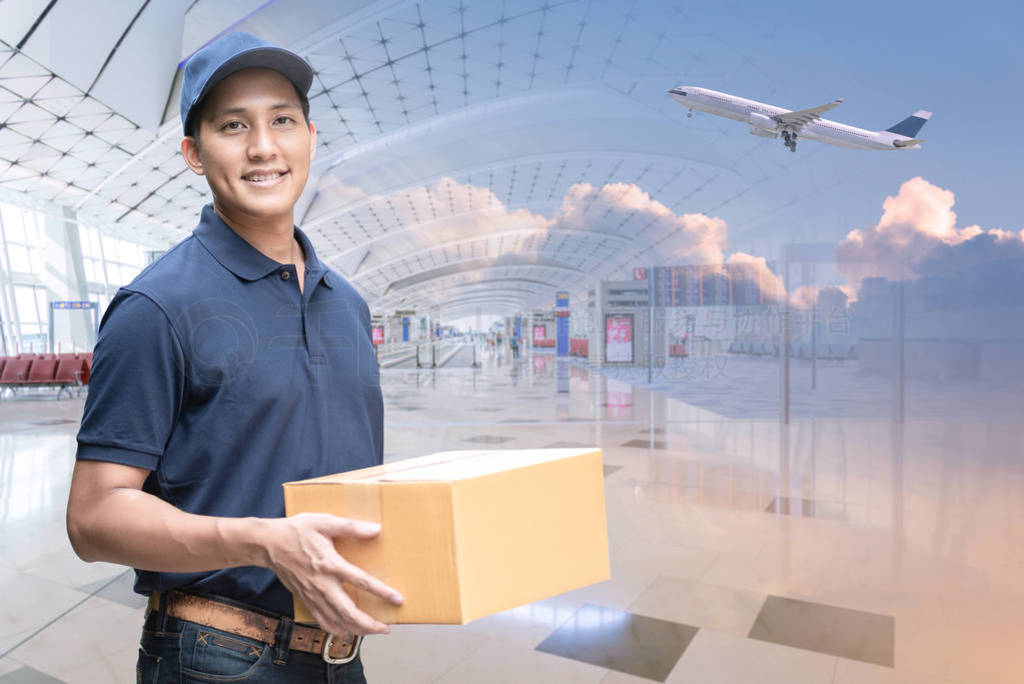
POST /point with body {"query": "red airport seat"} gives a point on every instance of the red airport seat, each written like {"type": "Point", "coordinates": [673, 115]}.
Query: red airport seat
{"type": "Point", "coordinates": [87, 357]}
{"type": "Point", "coordinates": [67, 370]}
{"type": "Point", "coordinates": [70, 373]}
{"type": "Point", "coordinates": [42, 372]}
{"type": "Point", "coordinates": [16, 371]}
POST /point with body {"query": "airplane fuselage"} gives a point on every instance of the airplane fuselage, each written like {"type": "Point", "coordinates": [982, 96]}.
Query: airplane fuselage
{"type": "Point", "coordinates": [758, 116]}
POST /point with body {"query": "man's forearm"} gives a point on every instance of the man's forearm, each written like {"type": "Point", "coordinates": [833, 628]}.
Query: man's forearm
{"type": "Point", "coordinates": [134, 528]}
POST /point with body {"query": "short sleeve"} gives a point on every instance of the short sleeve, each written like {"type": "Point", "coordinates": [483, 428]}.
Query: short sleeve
{"type": "Point", "coordinates": [136, 385]}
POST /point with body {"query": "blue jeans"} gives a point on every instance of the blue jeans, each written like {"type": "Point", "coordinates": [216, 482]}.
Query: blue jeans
{"type": "Point", "coordinates": [180, 652]}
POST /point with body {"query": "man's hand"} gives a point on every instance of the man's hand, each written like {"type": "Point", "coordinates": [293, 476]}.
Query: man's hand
{"type": "Point", "coordinates": [110, 519]}
{"type": "Point", "coordinates": [300, 550]}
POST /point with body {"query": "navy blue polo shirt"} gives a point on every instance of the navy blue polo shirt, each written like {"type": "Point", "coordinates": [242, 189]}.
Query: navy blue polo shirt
{"type": "Point", "coordinates": [214, 372]}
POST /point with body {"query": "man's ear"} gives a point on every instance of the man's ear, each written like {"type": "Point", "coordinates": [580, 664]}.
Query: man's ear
{"type": "Point", "coordinates": [190, 151]}
{"type": "Point", "coordinates": [312, 140]}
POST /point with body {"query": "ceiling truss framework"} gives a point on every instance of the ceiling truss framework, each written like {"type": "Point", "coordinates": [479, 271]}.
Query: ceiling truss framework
{"type": "Point", "coordinates": [508, 230]}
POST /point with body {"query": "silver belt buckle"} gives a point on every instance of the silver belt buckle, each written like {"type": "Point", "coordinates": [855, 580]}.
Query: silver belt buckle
{"type": "Point", "coordinates": [358, 639]}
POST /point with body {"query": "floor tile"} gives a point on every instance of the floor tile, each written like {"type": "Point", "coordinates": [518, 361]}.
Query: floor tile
{"type": "Point", "coordinates": [60, 564]}
{"type": "Point", "coordinates": [718, 658]}
{"type": "Point", "coordinates": [853, 634]}
{"type": "Point", "coordinates": [29, 603]}
{"type": "Point", "coordinates": [113, 668]}
{"type": "Point", "coordinates": [496, 663]}
{"type": "Point", "coordinates": [691, 602]}
{"type": "Point", "coordinates": [646, 444]}
{"type": "Point", "coordinates": [854, 672]}
{"type": "Point", "coordinates": [418, 653]}
{"type": "Point", "coordinates": [121, 590]}
{"type": "Point", "coordinates": [526, 626]}
{"type": "Point", "coordinates": [12, 639]}
{"type": "Point", "coordinates": [807, 508]}
{"type": "Point", "coordinates": [27, 675]}
{"type": "Point", "coordinates": [92, 587]}
{"type": "Point", "coordinates": [621, 641]}
{"type": "Point", "coordinates": [488, 439]}
{"type": "Point", "coordinates": [90, 633]}
{"type": "Point", "coordinates": [609, 469]}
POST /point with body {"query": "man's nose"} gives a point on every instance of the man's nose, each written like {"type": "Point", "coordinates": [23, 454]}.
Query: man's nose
{"type": "Point", "coordinates": [261, 142]}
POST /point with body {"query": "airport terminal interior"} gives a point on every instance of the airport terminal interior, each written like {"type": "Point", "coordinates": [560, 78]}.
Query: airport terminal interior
{"type": "Point", "coordinates": [804, 369]}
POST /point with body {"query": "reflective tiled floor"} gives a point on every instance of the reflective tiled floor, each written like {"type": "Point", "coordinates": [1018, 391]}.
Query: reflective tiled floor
{"type": "Point", "coordinates": [831, 551]}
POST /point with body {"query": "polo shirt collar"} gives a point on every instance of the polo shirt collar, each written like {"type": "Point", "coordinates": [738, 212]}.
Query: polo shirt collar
{"type": "Point", "coordinates": [314, 267]}
{"type": "Point", "coordinates": [244, 260]}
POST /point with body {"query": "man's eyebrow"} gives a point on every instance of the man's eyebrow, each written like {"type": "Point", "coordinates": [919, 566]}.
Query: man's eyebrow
{"type": "Point", "coordinates": [243, 110]}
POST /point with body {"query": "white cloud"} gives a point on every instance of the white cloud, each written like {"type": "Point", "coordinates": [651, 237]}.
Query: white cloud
{"type": "Point", "coordinates": [917, 226]}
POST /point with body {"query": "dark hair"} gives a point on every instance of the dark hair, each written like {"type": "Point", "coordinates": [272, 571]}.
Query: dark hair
{"type": "Point", "coordinates": [194, 116]}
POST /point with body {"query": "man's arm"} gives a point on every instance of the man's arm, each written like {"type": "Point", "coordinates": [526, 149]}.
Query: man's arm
{"type": "Point", "coordinates": [110, 518]}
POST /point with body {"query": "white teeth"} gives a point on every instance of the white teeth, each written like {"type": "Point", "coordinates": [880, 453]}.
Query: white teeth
{"type": "Point", "coordinates": [263, 178]}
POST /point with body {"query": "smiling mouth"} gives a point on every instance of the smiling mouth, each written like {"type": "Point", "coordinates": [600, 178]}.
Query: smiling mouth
{"type": "Point", "coordinates": [264, 178]}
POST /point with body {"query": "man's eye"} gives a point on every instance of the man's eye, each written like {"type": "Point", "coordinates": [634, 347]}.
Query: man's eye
{"type": "Point", "coordinates": [283, 119]}
{"type": "Point", "coordinates": [232, 125]}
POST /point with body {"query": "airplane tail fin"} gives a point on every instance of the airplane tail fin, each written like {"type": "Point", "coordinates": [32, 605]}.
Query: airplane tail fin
{"type": "Point", "coordinates": [911, 126]}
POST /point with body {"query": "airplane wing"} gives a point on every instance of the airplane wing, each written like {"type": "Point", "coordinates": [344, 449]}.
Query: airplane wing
{"type": "Point", "coordinates": [802, 117]}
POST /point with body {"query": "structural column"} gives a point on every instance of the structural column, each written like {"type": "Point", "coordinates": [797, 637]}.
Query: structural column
{"type": "Point", "coordinates": [64, 278]}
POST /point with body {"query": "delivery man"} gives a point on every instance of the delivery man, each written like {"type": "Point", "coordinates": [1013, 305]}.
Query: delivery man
{"type": "Point", "coordinates": [234, 363]}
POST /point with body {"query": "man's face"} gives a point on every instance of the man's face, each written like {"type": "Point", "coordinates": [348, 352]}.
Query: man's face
{"type": "Point", "coordinates": [254, 145]}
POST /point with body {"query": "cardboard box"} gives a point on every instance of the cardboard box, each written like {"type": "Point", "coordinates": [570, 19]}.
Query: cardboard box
{"type": "Point", "coordinates": [465, 534]}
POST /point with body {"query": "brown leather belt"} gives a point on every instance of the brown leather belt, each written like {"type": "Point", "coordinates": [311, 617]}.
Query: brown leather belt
{"type": "Point", "coordinates": [248, 623]}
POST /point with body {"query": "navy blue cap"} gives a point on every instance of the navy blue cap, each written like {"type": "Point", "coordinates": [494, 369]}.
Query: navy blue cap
{"type": "Point", "coordinates": [223, 57]}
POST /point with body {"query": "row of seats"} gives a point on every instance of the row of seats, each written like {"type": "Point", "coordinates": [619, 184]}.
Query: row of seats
{"type": "Point", "coordinates": [677, 349]}
{"type": "Point", "coordinates": [802, 350]}
{"type": "Point", "coordinates": [63, 371]}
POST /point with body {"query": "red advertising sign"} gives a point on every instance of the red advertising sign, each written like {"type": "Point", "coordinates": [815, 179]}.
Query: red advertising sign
{"type": "Point", "coordinates": [378, 334]}
{"type": "Point", "coordinates": [639, 274]}
{"type": "Point", "coordinates": [540, 333]}
{"type": "Point", "coordinates": [618, 338]}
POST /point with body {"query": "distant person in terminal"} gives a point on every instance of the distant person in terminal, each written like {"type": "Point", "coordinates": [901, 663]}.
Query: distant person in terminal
{"type": "Point", "coordinates": [234, 363]}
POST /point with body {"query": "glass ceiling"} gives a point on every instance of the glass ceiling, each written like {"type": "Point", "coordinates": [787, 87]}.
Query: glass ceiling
{"type": "Point", "coordinates": [502, 147]}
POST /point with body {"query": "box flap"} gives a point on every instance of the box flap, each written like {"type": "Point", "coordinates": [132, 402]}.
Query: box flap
{"type": "Point", "coordinates": [447, 466]}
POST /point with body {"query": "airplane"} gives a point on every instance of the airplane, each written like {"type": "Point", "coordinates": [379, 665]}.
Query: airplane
{"type": "Point", "coordinates": [768, 121]}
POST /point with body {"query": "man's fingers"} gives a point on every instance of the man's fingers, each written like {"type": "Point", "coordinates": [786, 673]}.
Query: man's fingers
{"type": "Point", "coordinates": [337, 614]}
{"type": "Point", "coordinates": [333, 526]}
{"type": "Point", "coordinates": [358, 621]}
{"type": "Point", "coordinates": [360, 579]}
{"type": "Point", "coordinates": [341, 615]}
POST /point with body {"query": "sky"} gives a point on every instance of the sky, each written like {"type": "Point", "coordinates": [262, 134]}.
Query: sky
{"type": "Point", "coordinates": [888, 59]}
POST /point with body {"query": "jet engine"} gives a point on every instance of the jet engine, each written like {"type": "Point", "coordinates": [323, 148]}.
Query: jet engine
{"type": "Point", "coordinates": [754, 130]}
{"type": "Point", "coordinates": [762, 121]}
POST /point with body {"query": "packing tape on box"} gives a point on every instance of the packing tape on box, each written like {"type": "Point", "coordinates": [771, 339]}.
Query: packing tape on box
{"type": "Point", "coordinates": [420, 464]}
{"type": "Point", "coordinates": [363, 503]}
